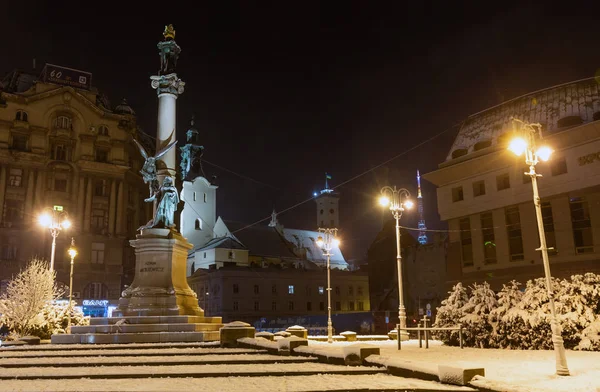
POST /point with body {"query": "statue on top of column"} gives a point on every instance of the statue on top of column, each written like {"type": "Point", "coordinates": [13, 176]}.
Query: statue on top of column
{"type": "Point", "coordinates": [168, 51]}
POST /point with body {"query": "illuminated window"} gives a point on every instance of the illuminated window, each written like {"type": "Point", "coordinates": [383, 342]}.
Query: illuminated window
{"type": "Point", "coordinates": [321, 289]}
{"type": "Point", "coordinates": [291, 289]}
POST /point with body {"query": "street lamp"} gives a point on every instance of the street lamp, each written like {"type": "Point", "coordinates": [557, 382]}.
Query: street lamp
{"type": "Point", "coordinates": [526, 143]}
{"type": "Point", "coordinates": [397, 200]}
{"type": "Point", "coordinates": [55, 220]}
{"type": "Point", "coordinates": [72, 252]}
{"type": "Point", "coordinates": [327, 242]}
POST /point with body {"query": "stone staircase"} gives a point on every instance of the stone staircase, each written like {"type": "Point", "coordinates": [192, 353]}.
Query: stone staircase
{"type": "Point", "coordinates": [143, 329]}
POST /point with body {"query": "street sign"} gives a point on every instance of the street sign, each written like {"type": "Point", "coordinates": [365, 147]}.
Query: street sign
{"type": "Point", "coordinates": [428, 312]}
{"type": "Point", "coordinates": [420, 311]}
{"type": "Point", "coordinates": [387, 320]}
{"type": "Point", "coordinates": [428, 306]}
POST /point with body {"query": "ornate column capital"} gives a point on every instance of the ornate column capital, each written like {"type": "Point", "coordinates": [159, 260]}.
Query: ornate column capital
{"type": "Point", "coordinates": [170, 84]}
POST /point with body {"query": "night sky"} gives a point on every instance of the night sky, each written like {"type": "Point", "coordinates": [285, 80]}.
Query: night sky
{"type": "Point", "coordinates": [284, 93]}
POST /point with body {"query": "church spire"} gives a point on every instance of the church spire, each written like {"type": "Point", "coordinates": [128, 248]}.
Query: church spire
{"type": "Point", "coordinates": [421, 224]}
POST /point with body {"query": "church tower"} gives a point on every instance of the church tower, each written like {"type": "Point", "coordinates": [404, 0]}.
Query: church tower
{"type": "Point", "coordinates": [198, 216]}
{"type": "Point", "coordinates": [422, 233]}
{"type": "Point", "coordinates": [327, 206]}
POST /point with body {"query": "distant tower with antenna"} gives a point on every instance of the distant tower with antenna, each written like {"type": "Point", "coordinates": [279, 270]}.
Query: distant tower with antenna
{"type": "Point", "coordinates": [422, 233]}
{"type": "Point", "coordinates": [327, 206]}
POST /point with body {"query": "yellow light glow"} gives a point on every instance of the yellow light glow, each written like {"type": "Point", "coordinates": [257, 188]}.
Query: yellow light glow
{"type": "Point", "coordinates": [320, 241]}
{"type": "Point", "coordinates": [384, 201]}
{"type": "Point", "coordinates": [72, 252]}
{"type": "Point", "coordinates": [544, 153]}
{"type": "Point", "coordinates": [408, 204]}
{"type": "Point", "coordinates": [336, 242]}
{"type": "Point", "coordinates": [518, 146]}
{"type": "Point", "coordinates": [45, 220]}
{"type": "Point", "coordinates": [66, 224]}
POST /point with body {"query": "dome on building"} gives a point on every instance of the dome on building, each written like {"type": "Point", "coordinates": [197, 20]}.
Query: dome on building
{"type": "Point", "coordinates": [124, 108]}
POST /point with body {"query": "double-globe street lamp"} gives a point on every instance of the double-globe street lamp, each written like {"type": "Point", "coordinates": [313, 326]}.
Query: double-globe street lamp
{"type": "Point", "coordinates": [526, 143]}
{"type": "Point", "coordinates": [398, 201]}
{"type": "Point", "coordinates": [56, 220]}
{"type": "Point", "coordinates": [72, 252]}
{"type": "Point", "coordinates": [327, 242]}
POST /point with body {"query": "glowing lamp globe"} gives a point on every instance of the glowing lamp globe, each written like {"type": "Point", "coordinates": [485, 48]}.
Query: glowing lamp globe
{"type": "Point", "coordinates": [408, 204]}
{"type": "Point", "coordinates": [544, 153]}
{"type": "Point", "coordinates": [384, 201]}
{"type": "Point", "coordinates": [45, 220]}
{"type": "Point", "coordinates": [336, 242]}
{"type": "Point", "coordinates": [320, 241]}
{"type": "Point", "coordinates": [66, 224]}
{"type": "Point", "coordinates": [72, 252]}
{"type": "Point", "coordinates": [518, 146]}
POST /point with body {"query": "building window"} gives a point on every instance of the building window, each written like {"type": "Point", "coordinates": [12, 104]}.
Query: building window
{"type": "Point", "coordinates": [95, 290]}
{"type": "Point", "coordinates": [337, 290]}
{"type": "Point", "coordinates": [15, 177]}
{"type": "Point", "coordinates": [321, 305]}
{"type": "Point", "coordinates": [478, 188]}
{"type": "Point", "coordinates": [548, 221]}
{"type": "Point", "coordinates": [466, 243]}
{"type": "Point", "coordinates": [457, 194]}
{"type": "Point", "coordinates": [256, 289]}
{"type": "Point", "coordinates": [98, 220]}
{"type": "Point", "coordinates": [63, 122]}
{"type": "Point", "coordinates": [236, 288]}
{"type": "Point", "coordinates": [100, 188]}
{"type": "Point", "coordinates": [194, 196]}
{"type": "Point", "coordinates": [350, 290]}
{"type": "Point", "coordinates": [205, 198]}
{"type": "Point", "coordinates": [97, 253]}
{"type": "Point", "coordinates": [59, 152]}
{"type": "Point", "coordinates": [13, 211]}
{"type": "Point", "coordinates": [359, 290]}
{"type": "Point", "coordinates": [256, 305]}
{"type": "Point", "coordinates": [351, 305]}
{"type": "Point", "coordinates": [489, 240]}
{"type": "Point", "coordinates": [309, 306]}
{"type": "Point", "coordinates": [205, 255]}
{"type": "Point", "coordinates": [321, 289]}
{"type": "Point", "coordinates": [21, 116]}
{"type": "Point", "coordinates": [513, 229]}
{"type": "Point", "coordinates": [236, 306]}
{"type": "Point", "coordinates": [338, 305]}
{"type": "Point", "coordinates": [274, 289]}
{"type": "Point", "coordinates": [502, 182]}
{"type": "Point", "coordinates": [361, 306]}
{"type": "Point", "coordinates": [291, 305]}
{"type": "Point", "coordinates": [198, 224]}
{"type": "Point", "coordinates": [103, 130]}
{"type": "Point", "coordinates": [291, 289]}
{"type": "Point", "coordinates": [231, 255]}
{"type": "Point", "coordinates": [19, 142]}
{"type": "Point", "coordinates": [60, 183]}
{"type": "Point", "coordinates": [273, 305]}
{"type": "Point", "coordinates": [582, 225]}
{"type": "Point", "coordinates": [101, 155]}
{"type": "Point", "coordinates": [558, 166]}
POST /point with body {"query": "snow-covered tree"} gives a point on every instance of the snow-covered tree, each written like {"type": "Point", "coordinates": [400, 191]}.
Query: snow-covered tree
{"type": "Point", "coordinates": [507, 319]}
{"type": "Point", "coordinates": [590, 337]}
{"type": "Point", "coordinates": [450, 313]}
{"type": "Point", "coordinates": [478, 330]}
{"type": "Point", "coordinates": [21, 307]}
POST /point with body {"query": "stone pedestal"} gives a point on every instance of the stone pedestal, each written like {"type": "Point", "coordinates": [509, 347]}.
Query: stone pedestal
{"type": "Point", "coordinates": [160, 285]}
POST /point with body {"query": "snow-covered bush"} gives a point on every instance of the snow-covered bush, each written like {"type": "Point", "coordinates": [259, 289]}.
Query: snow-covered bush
{"type": "Point", "coordinates": [590, 337]}
{"type": "Point", "coordinates": [55, 319]}
{"type": "Point", "coordinates": [28, 306]}
{"type": "Point", "coordinates": [450, 314]}
{"type": "Point", "coordinates": [508, 325]}
{"type": "Point", "coordinates": [482, 301]}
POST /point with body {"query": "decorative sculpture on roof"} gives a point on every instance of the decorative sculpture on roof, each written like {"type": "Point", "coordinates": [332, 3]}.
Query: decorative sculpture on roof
{"type": "Point", "coordinates": [168, 198]}
{"type": "Point", "coordinates": [148, 171]}
{"type": "Point", "coordinates": [168, 51]}
{"type": "Point", "coordinates": [191, 153]}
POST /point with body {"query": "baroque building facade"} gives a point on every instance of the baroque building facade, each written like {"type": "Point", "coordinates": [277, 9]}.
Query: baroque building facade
{"type": "Point", "coordinates": [486, 199]}
{"type": "Point", "coordinates": [63, 146]}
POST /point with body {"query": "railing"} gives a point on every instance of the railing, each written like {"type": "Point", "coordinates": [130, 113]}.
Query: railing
{"type": "Point", "coordinates": [426, 331]}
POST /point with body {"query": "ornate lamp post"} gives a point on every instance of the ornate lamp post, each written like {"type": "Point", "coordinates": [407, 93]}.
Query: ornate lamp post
{"type": "Point", "coordinates": [397, 200]}
{"type": "Point", "coordinates": [72, 252]}
{"type": "Point", "coordinates": [55, 220]}
{"type": "Point", "coordinates": [526, 143]}
{"type": "Point", "coordinates": [327, 242]}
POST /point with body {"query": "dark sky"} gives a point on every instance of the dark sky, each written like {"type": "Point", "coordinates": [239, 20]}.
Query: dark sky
{"type": "Point", "coordinates": [286, 91]}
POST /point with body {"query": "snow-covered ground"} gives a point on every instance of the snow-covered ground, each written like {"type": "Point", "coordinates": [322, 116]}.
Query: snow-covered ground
{"type": "Point", "coordinates": [505, 370]}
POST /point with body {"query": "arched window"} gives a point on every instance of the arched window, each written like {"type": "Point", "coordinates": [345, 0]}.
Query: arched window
{"type": "Point", "coordinates": [198, 224]}
{"type": "Point", "coordinates": [103, 130]}
{"type": "Point", "coordinates": [21, 116]}
{"type": "Point", "coordinates": [62, 122]}
{"type": "Point", "coordinates": [459, 153]}
{"type": "Point", "coordinates": [482, 144]}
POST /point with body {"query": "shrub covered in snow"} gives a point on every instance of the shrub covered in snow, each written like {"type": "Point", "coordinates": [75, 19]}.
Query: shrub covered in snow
{"type": "Point", "coordinates": [450, 314]}
{"type": "Point", "coordinates": [476, 315]}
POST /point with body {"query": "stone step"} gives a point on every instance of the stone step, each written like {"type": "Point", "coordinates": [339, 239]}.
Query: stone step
{"type": "Point", "coordinates": [196, 371]}
{"type": "Point", "coordinates": [132, 328]}
{"type": "Point", "coordinates": [179, 319]}
{"type": "Point", "coordinates": [94, 351]}
{"type": "Point", "coordinates": [158, 360]}
{"type": "Point", "coordinates": [140, 347]}
{"type": "Point", "coordinates": [143, 337]}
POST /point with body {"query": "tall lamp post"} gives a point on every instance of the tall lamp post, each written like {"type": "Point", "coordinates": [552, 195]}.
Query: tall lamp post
{"type": "Point", "coordinates": [72, 252]}
{"type": "Point", "coordinates": [397, 200]}
{"type": "Point", "coordinates": [526, 143]}
{"type": "Point", "coordinates": [327, 242]}
{"type": "Point", "coordinates": [55, 220]}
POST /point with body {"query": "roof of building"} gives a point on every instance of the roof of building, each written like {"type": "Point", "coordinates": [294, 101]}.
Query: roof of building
{"type": "Point", "coordinates": [261, 240]}
{"type": "Point", "coordinates": [223, 242]}
{"type": "Point", "coordinates": [556, 108]}
{"type": "Point", "coordinates": [306, 239]}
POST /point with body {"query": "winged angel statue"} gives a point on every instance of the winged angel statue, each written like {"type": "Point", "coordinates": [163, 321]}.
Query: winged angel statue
{"type": "Point", "coordinates": [166, 194]}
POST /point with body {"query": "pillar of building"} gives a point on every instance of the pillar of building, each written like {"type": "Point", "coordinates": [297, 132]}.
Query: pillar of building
{"type": "Point", "coordinates": [29, 195]}
{"type": "Point", "coordinates": [2, 191]}
{"type": "Point", "coordinates": [80, 202]}
{"type": "Point", "coordinates": [120, 206]}
{"type": "Point", "coordinates": [112, 207]}
{"type": "Point", "coordinates": [477, 240]}
{"type": "Point", "coordinates": [87, 217]}
{"type": "Point", "coordinates": [39, 189]}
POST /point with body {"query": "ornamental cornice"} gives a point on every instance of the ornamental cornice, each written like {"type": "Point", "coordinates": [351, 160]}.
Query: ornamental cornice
{"type": "Point", "coordinates": [169, 84]}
